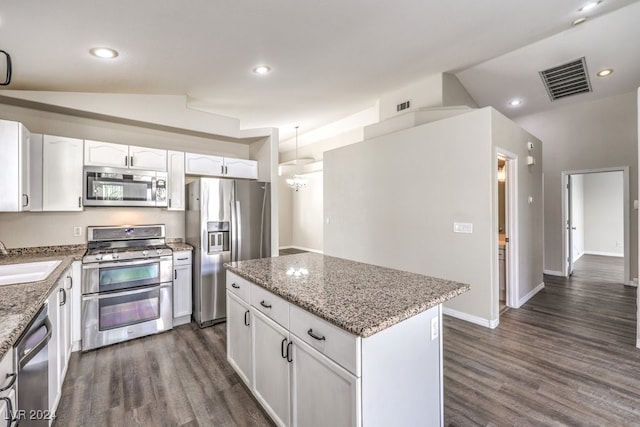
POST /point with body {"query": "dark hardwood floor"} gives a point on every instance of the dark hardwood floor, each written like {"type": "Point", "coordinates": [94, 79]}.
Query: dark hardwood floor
{"type": "Point", "coordinates": [567, 357]}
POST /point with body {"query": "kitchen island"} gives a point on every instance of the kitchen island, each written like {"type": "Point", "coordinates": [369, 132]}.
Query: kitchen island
{"type": "Point", "coordinates": [327, 341]}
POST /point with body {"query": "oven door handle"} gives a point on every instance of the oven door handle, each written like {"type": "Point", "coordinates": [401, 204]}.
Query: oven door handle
{"type": "Point", "coordinates": [126, 263]}
{"type": "Point", "coordinates": [91, 297]}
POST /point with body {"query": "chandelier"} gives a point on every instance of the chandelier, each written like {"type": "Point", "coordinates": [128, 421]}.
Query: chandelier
{"type": "Point", "coordinates": [296, 182]}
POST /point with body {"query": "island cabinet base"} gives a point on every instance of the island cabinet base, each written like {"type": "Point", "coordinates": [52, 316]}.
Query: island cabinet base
{"type": "Point", "coordinates": [308, 372]}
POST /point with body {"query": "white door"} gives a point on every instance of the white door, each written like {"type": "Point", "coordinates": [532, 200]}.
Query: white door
{"type": "Point", "coordinates": [175, 182]}
{"type": "Point", "coordinates": [148, 159]}
{"type": "Point", "coordinates": [323, 393]}
{"type": "Point", "coordinates": [202, 164]}
{"type": "Point", "coordinates": [239, 168]}
{"type": "Point", "coordinates": [239, 337]}
{"type": "Point", "coordinates": [61, 173]}
{"type": "Point", "coordinates": [271, 369]}
{"type": "Point", "coordinates": [570, 227]}
{"type": "Point", "coordinates": [97, 153]}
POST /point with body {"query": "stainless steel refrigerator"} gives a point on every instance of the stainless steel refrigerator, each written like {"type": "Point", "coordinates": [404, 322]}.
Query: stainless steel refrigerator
{"type": "Point", "coordinates": [226, 220]}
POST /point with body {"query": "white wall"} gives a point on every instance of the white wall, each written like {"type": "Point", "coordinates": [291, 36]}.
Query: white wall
{"type": "Point", "coordinates": [577, 215]}
{"type": "Point", "coordinates": [590, 135]}
{"type": "Point", "coordinates": [604, 214]}
{"type": "Point", "coordinates": [307, 214]}
{"type": "Point", "coordinates": [392, 201]}
{"type": "Point", "coordinates": [285, 217]}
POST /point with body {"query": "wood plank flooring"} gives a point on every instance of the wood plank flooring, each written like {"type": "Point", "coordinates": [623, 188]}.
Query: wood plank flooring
{"type": "Point", "coordinates": [567, 357]}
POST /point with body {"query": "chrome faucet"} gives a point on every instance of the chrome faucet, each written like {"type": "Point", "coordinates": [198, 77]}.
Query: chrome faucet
{"type": "Point", "coordinates": [3, 249]}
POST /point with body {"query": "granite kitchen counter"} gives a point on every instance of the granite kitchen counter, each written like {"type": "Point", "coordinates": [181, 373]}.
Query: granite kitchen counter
{"type": "Point", "coordinates": [19, 303]}
{"type": "Point", "coordinates": [361, 298]}
{"type": "Point", "coordinates": [180, 246]}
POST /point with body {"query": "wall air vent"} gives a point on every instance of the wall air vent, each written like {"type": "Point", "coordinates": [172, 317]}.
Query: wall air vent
{"type": "Point", "coordinates": [566, 79]}
{"type": "Point", "coordinates": [403, 106]}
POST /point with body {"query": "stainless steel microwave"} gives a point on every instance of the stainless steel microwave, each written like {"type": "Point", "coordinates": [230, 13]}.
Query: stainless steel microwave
{"type": "Point", "coordinates": [124, 187]}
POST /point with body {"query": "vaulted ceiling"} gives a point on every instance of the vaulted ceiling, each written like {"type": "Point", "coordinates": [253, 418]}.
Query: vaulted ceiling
{"type": "Point", "coordinates": [328, 59]}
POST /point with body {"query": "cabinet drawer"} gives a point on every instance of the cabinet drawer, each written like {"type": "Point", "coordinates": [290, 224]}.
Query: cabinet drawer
{"type": "Point", "coordinates": [6, 369]}
{"type": "Point", "coordinates": [182, 258]}
{"type": "Point", "coordinates": [271, 305]}
{"type": "Point", "coordinates": [239, 286]}
{"type": "Point", "coordinates": [339, 345]}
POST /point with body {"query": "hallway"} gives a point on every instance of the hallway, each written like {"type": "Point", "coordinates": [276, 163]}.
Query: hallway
{"type": "Point", "coordinates": [566, 357]}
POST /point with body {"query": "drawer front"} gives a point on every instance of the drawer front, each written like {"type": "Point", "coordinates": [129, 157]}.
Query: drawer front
{"type": "Point", "coordinates": [7, 371]}
{"type": "Point", "coordinates": [181, 258]}
{"type": "Point", "coordinates": [239, 286]}
{"type": "Point", "coordinates": [271, 305]}
{"type": "Point", "coordinates": [337, 344]}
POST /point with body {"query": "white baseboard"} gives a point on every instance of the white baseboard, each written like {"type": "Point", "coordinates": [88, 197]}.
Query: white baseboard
{"type": "Point", "coordinates": [492, 324]}
{"type": "Point", "coordinates": [553, 273]}
{"type": "Point", "coordinates": [182, 320]}
{"type": "Point", "coordinates": [530, 295]}
{"type": "Point", "coordinates": [632, 284]}
{"type": "Point", "coordinates": [638, 343]}
{"type": "Point", "coordinates": [578, 257]}
{"type": "Point", "coordinates": [613, 254]}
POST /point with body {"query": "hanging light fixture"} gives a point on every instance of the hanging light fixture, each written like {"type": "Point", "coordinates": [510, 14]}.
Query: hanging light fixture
{"type": "Point", "coordinates": [296, 182]}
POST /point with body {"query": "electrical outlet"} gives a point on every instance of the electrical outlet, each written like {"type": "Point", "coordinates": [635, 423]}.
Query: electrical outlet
{"type": "Point", "coordinates": [77, 231]}
{"type": "Point", "coordinates": [435, 329]}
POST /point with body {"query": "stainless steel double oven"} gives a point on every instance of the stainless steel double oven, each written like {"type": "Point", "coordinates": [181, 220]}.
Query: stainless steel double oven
{"type": "Point", "coordinates": [126, 285]}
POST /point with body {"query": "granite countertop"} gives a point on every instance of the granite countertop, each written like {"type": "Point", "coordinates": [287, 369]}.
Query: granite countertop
{"type": "Point", "coordinates": [20, 302]}
{"type": "Point", "coordinates": [180, 246]}
{"type": "Point", "coordinates": [360, 298]}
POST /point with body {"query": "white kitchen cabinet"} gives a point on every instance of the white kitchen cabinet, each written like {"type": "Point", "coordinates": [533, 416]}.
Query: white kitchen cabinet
{"type": "Point", "coordinates": [271, 382]}
{"type": "Point", "coordinates": [14, 171]}
{"type": "Point", "coordinates": [207, 165]}
{"type": "Point", "coordinates": [182, 278]}
{"type": "Point", "coordinates": [239, 345]}
{"type": "Point", "coordinates": [54, 374]}
{"type": "Point", "coordinates": [97, 153]}
{"type": "Point", "coordinates": [61, 173]}
{"type": "Point", "coordinates": [76, 305]}
{"type": "Point", "coordinates": [8, 370]}
{"type": "Point", "coordinates": [322, 392]}
{"type": "Point", "coordinates": [175, 182]}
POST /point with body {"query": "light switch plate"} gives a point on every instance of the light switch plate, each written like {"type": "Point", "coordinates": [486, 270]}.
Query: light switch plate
{"type": "Point", "coordinates": [462, 227]}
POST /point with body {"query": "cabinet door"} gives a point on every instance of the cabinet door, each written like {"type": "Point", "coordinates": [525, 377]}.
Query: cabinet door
{"type": "Point", "coordinates": [239, 337]}
{"type": "Point", "coordinates": [76, 299]}
{"type": "Point", "coordinates": [239, 168]}
{"type": "Point", "coordinates": [202, 164]}
{"type": "Point", "coordinates": [150, 159]}
{"type": "Point", "coordinates": [323, 393]}
{"type": "Point", "coordinates": [64, 328]}
{"type": "Point", "coordinates": [175, 183]}
{"type": "Point", "coordinates": [181, 290]}
{"type": "Point", "coordinates": [271, 384]}
{"type": "Point", "coordinates": [61, 173]}
{"type": "Point", "coordinates": [98, 153]}
{"type": "Point", "coordinates": [54, 373]}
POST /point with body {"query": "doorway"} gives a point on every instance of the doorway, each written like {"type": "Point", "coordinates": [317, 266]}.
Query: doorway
{"type": "Point", "coordinates": [507, 230]}
{"type": "Point", "coordinates": [594, 219]}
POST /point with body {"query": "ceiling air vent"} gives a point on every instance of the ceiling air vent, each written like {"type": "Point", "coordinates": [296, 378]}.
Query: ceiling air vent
{"type": "Point", "coordinates": [567, 79]}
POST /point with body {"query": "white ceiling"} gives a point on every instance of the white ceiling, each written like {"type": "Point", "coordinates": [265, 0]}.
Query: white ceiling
{"type": "Point", "coordinates": [329, 58]}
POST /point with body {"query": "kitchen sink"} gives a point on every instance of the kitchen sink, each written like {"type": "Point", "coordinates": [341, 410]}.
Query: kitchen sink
{"type": "Point", "coordinates": [12, 274]}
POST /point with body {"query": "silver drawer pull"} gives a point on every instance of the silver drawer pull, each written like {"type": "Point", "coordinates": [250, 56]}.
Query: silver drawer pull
{"type": "Point", "coordinates": [265, 305]}
{"type": "Point", "coordinates": [314, 336]}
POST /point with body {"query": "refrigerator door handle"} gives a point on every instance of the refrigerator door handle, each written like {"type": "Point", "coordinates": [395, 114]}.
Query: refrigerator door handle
{"type": "Point", "coordinates": [234, 235]}
{"type": "Point", "coordinates": [238, 211]}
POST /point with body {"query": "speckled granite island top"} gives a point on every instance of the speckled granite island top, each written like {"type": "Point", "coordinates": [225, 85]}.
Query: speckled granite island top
{"type": "Point", "coordinates": [20, 302]}
{"type": "Point", "coordinates": [360, 298]}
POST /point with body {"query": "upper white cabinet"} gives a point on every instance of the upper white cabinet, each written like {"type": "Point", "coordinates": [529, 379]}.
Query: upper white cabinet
{"type": "Point", "coordinates": [203, 164]}
{"type": "Point", "coordinates": [14, 172]}
{"type": "Point", "coordinates": [97, 153]}
{"type": "Point", "coordinates": [61, 173]}
{"type": "Point", "coordinates": [175, 183]}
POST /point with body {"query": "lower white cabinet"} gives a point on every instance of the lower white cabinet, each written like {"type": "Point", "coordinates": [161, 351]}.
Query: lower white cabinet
{"type": "Point", "coordinates": [271, 383]}
{"type": "Point", "coordinates": [322, 392]}
{"type": "Point", "coordinates": [239, 347]}
{"type": "Point", "coordinates": [8, 370]}
{"type": "Point", "coordinates": [182, 277]}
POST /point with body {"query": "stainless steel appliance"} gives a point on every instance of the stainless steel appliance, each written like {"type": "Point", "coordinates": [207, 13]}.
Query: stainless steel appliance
{"type": "Point", "coordinates": [124, 187]}
{"type": "Point", "coordinates": [226, 220]}
{"type": "Point", "coordinates": [126, 284]}
{"type": "Point", "coordinates": [32, 355]}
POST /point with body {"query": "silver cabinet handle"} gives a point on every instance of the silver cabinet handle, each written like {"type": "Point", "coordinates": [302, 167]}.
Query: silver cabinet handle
{"type": "Point", "coordinates": [315, 336]}
{"type": "Point", "coordinates": [246, 318]}
{"type": "Point", "coordinates": [80, 201]}
{"type": "Point", "coordinates": [175, 274]}
{"type": "Point", "coordinates": [265, 305]}
{"type": "Point", "coordinates": [126, 160]}
{"type": "Point", "coordinates": [64, 294]}
{"type": "Point", "coordinates": [131, 162]}
{"type": "Point", "coordinates": [26, 200]}
{"type": "Point", "coordinates": [12, 381]}
{"type": "Point", "coordinates": [70, 282]}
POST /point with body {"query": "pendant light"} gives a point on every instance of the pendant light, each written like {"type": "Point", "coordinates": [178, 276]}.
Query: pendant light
{"type": "Point", "coordinates": [296, 182]}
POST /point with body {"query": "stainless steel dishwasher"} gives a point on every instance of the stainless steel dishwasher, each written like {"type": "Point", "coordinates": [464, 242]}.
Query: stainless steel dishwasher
{"type": "Point", "coordinates": [32, 355]}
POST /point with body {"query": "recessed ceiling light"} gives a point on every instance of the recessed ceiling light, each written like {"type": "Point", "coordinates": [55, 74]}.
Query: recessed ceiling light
{"type": "Point", "coordinates": [515, 102]}
{"type": "Point", "coordinates": [262, 69]}
{"type": "Point", "coordinates": [587, 7]}
{"type": "Point", "coordinates": [579, 21]}
{"type": "Point", "coordinates": [605, 72]}
{"type": "Point", "coordinates": [104, 52]}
